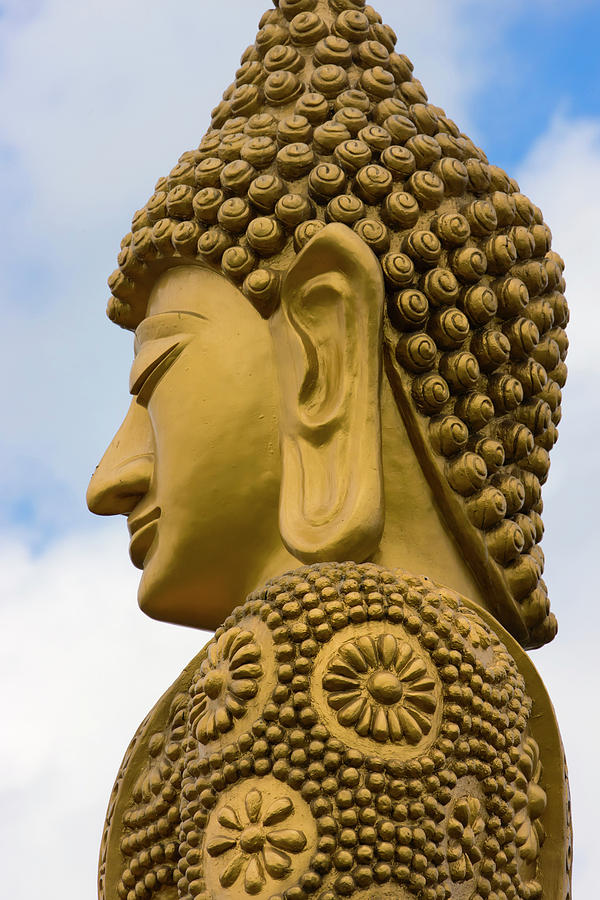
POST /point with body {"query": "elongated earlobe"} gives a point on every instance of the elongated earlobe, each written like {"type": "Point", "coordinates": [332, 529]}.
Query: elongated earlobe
{"type": "Point", "coordinates": [327, 335]}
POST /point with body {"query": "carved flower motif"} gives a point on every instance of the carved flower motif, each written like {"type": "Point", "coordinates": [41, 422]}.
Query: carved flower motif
{"type": "Point", "coordinates": [464, 827]}
{"type": "Point", "coordinates": [381, 688]}
{"type": "Point", "coordinates": [529, 802]}
{"type": "Point", "coordinates": [256, 844]}
{"type": "Point", "coordinates": [227, 679]}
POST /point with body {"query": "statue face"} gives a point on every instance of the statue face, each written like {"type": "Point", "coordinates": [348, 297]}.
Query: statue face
{"type": "Point", "coordinates": [195, 465]}
{"type": "Point", "coordinates": [252, 445]}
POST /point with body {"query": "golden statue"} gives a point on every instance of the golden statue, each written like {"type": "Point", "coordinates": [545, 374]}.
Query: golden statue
{"type": "Point", "coordinates": [349, 355]}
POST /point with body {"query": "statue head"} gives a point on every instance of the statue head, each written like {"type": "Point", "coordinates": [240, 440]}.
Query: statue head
{"type": "Point", "coordinates": [349, 340]}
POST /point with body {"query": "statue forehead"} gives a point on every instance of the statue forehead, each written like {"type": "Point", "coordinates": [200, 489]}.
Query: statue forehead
{"type": "Point", "coordinates": [198, 290]}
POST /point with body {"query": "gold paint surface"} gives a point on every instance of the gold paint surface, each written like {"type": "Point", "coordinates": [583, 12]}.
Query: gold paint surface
{"type": "Point", "coordinates": [349, 354]}
{"type": "Point", "coordinates": [478, 802]}
{"type": "Point", "coordinates": [380, 686]}
{"type": "Point", "coordinates": [445, 287]}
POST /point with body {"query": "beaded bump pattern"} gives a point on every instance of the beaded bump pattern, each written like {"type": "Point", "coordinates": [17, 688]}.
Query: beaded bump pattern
{"type": "Point", "coordinates": [432, 787]}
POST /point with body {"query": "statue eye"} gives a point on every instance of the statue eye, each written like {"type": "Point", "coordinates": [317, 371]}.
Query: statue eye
{"type": "Point", "coordinates": [150, 364]}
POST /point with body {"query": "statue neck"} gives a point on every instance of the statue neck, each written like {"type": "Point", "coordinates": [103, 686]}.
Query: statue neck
{"type": "Point", "coordinates": [415, 537]}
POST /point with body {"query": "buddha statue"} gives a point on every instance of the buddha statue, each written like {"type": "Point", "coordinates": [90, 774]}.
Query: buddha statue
{"type": "Point", "coordinates": [349, 355]}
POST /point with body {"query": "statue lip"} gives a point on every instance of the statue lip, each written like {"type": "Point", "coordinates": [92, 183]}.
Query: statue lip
{"type": "Point", "coordinates": [135, 524]}
{"type": "Point", "coordinates": [142, 530]}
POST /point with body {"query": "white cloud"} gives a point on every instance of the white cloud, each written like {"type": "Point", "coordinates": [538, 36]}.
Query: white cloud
{"type": "Point", "coordinates": [561, 174]}
{"type": "Point", "coordinates": [81, 667]}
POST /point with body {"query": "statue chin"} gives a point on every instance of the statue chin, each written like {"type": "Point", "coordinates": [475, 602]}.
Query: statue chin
{"type": "Point", "coordinates": [201, 589]}
{"type": "Point", "coordinates": [182, 598]}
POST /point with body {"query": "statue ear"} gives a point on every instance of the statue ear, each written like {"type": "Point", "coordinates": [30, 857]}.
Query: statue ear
{"type": "Point", "coordinates": [327, 334]}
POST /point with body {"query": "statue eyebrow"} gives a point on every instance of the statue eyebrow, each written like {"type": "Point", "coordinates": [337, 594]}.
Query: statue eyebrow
{"type": "Point", "coordinates": [167, 324]}
{"type": "Point", "coordinates": [177, 312]}
{"type": "Point", "coordinates": [145, 362]}
{"type": "Point", "coordinates": [151, 363]}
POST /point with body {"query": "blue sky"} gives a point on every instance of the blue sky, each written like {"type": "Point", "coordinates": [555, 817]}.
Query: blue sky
{"type": "Point", "coordinates": [98, 100]}
{"type": "Point", "coordinates": [546, 60]}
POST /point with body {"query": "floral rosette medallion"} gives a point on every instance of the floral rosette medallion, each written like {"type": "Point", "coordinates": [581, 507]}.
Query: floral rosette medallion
{"type": "Point", "coordinates": [258, 840]}
{"type": "Point", "coordinates": [382, 688]}
{"type": "Point", "coordinates": [227, 685]}
{"type": "Point", "coordinates": [378, 690]}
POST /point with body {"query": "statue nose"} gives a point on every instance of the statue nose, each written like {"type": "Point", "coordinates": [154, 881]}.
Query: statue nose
{"type": "Point", "coordinates": [118, 491]}
{"type": "Point", "coordinates": [124, 473]}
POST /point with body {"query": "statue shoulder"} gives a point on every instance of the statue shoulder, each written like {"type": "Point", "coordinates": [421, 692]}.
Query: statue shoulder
{"type": "Point", "coordinates": [345, 701]}
{"type": "Point", "coordinates": [146, 791]}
